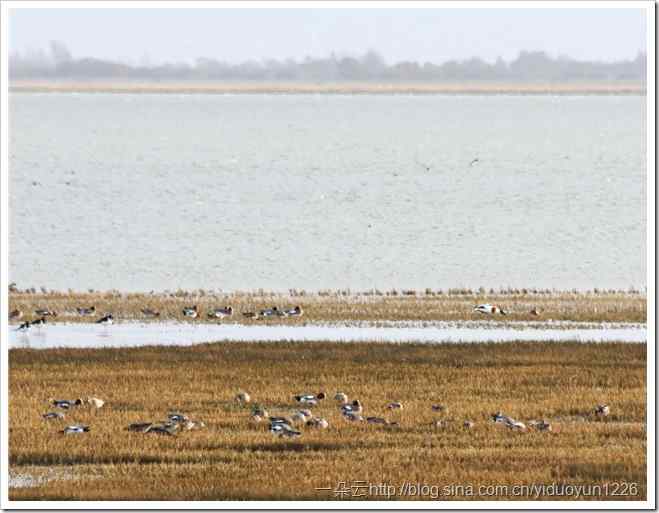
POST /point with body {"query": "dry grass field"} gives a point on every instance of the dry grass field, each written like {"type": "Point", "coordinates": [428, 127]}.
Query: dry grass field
{"type": "Point", "coordinates": [236, 87]}
{"type": "Point", "coordinates": [232, 458]}
{"type": "Point", "coordinates": [339, 306]}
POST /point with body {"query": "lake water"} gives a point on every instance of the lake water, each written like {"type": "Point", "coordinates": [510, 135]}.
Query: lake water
{"type": "Point", "coordinates": [144, 192]}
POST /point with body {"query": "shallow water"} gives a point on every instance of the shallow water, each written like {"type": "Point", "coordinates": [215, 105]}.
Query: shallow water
{"type": "Point", "coordinates": [185, 334]}
{"type": "Point", "coordinates": [236, 192]}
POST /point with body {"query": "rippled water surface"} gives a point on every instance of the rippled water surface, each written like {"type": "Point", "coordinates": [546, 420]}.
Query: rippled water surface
{"type": "Point", "coordinates": [142, 192]}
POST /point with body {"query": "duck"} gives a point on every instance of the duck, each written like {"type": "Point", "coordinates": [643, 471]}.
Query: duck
{"type": "Point", "coordinates": [509, 422]}
{"type": "Point", "coordinates": [380, 420]}
{"type": "Point", "coordinates": [353, 417]}
{"type": "Point", "coordinates": [535, 311]}
{"type": "Point", "coordinates": [280, 420]}
{"type": "Point", "coordinates": [140, 427]}
{"type": "Point", "coordinates": [65, 404]}
{"type": "Point", "coordinates": [283, 429]}
{"type": "Point", "coordinates": [39, 322]}
{"type": "Point", "coordinates": [86, 311]}
{"type": "Point", "coordinates": [298, 417]}
{"type": "Point", "coordinates": [310, 399]}
{"type": "Point", "coordinates": [353, 407]}
{"type": "Point", "coordinates": [106, 320]}
{"type": "Point", "coordinates": [25, 326]}
{"type": "Point", "coordinates": [177, 418]}
{"type": "Point", "coordinates": [294, 312]}
{"type": "Point", "coordinates": [243, 397]}
{"type": "Point", "coordinates": [541, 425]}
{"type": "Point", "coordinates": [147, 312]}
{"type": "Point", "coordinates": [318, 423]}
{"type": "Point", "coordinates": [95, 402]}
{"type": "Point", "coordinates": [602, 410]}
{"type": "Point", "coordinates": [341, 397]}
{"type": "Point", "coordinates": [14, 315]}
{"type": "Point", "coordinates": [75, 429]}
{"type": "Point", "coordinates": [219, 313]}
{"type": "Point", "coordinates": [270, 312]}
{"type": "Point", "coordinates": [260, 411]}
{"type": "Point", "coordinates": [468, 424]}
{"type": "Point", "coordinates": [53, 415]}
{"type": "Point", "coordinates": [440, 408]}
{"type": "Point", "coordinates": [43, 312]}
{"type": "Point", "coordinates": [191, 311]}
{"type": "Point", "coordinates": [395, 406]}
{"type": "Point", "coordinates": [489, 309]}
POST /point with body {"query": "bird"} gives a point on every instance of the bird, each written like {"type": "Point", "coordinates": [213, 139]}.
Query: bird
{"type": "Point", "coordinates": [380, 420]}
{"type": "Point", "coordinates": [509, 422]}
{"type": "Point", "coordinates": [96, 402]}
{"type": "Point", "coordinates": [439, 408]}
{"type": "Point", "coordinates": [534, 311]}
{"type": "Point", "coordinates": [353, 417]}
{"type": "Point", "coordinates": [294, 312]}
{"type": "Point", "coordinates": [395, 406]}
{"type": "Point", "coordinates": [341, 397]}
{"type": "Point", "coordinates": [310, 399]}
{"type": "Point", "coordinates": [283, 429]}
{"type": "Point", "coordinates": [424, 166]}
{"type": "Point", "coordinates": [474, 162]}
{"type": "Point", "coordinates": [354, 407]}
{"type": "Point", "coordinates": [468, 424]}
{"type": "Point", "coordinates": [75, 429]}
{"type": "Point", "coordinates": [140, 427]}
{"type": "Point", "coordinates": [86, 311]}
{"type": "Point", "coordinates": [147, 312]}
{"type": "Point", "coordinates": [191, 311]}
{"type": "Point", "coordinates": [177, 418]}
{"type": "Point", "coordinates": [39, 322]}
{"type": "Point", "coordinates": [65, 404]}
{"type": "Point", "coordinates": [280, 420]}
{"type": "Point", "coordinates": [15, 315]}
{"type": "Point", "coordinates": [243, 397]}
{"type": "Point", "coordinates": [161, 429]}
{"type": "Point", "coordinates": [318, 423]}
{"type": "Point", "coordinates": [24, 327]}
{"type": "Point", "coordinates": [602, 410]}
{"type": "Point", "coordinates": [489, 309]}
{"type": "Point", "coordinates": [194, 424]}
{"type": "Point", "coordinates": [269, 312]}
{"type": "Point", "coordinates": [43, 312]}
{"type": "Point", "coordinates": [53, 415]}
{"type": "Point", "coordinates": [250, 315]}
{"type": "Point", "coordinates": [219, 313]}
{"type": "Point", "coordinates": [541, 425]}
{"type": "Point", "coordinates": [106, 320]}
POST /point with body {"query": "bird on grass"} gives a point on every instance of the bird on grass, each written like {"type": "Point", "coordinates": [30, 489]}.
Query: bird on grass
{"type": "Point", "coordinates": [318, 423]}
{"type": "Point", "coordinates": [14, 315]}
{"type": "Point", "coordinates": [95, 402]}
{"type": "Point", "coordinates": [65, 404]}
{"type": "Point", "coordinates": [24, 327]}
{"type": "Point", "coordinates": [53, 415]}
{"type": "Point", "coordinates": [489, 309]}
{"type": "Point", "coordinates": [75, 429]}
{"type": "Point", "coordinates": [86, 311]}
{"type": "Point", "coordinates": [147, 312]}
{"type": "Point", "coordinates": [535, 311]}
{"type": "Point", "coordinates": [602, 410]}
{"type": "Point", "coordinates": [352, 408]}
{"type": "Point", "coordinates": [140, 427]}
{"type": "Point", "coordinates": [468, 424]}
{"type": "Point", "coordinates": [243, 397]}
{"type": "Point", "coordinates": [395, 406]}
{"type": "Point", "coordinates": [219, 313]}
{"type": "Point", "coordinates": [250, 315]}
{"type": "Point", "coordinates": [294, 312]}
{"type": "Point", "coordinates": [43, 312]}
{"type": "Point", "coordinates": [540, 425]}
{"type": "Point", "coordinates": [39, 322]}
{"type": "Point", "coordinates": [284, 430]}
{"type": "Point", "coordinates": [439, 408]}
{"type": "Point", "coordinates": [309, 399]}
{"type": "Point", "coordinates": [271, 312]}
{"type": "Point", "coordinates": [191, 311]}
{"type": "Point", "coordinates": [380, 420]}
{"type": "Point", "coordinates": [106, 320]}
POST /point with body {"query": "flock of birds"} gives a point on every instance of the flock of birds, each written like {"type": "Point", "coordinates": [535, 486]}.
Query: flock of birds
{"type": "Point", "coordinates": [287, 425]}
{"type": "Point", "coordinates": [192, 312]}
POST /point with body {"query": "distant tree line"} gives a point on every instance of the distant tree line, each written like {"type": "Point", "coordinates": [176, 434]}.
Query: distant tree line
{"type": "Point", "coordinates": [59, 63]}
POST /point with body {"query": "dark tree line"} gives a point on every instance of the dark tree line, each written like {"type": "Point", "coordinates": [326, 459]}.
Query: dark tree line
{"type": "Point", "coordinates": [528, 66]}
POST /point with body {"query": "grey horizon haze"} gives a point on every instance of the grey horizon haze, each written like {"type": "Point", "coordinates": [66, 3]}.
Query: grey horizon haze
{"type": "Point", "coordinates": [158, 35]}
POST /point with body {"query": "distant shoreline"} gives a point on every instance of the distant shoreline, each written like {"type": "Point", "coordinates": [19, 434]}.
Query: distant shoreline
{"type": "Point", "coordinates": [418, 88]}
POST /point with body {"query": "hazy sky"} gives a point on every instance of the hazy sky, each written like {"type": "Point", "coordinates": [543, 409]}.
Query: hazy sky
{"type": "Point", "coordinates": [236, 35]}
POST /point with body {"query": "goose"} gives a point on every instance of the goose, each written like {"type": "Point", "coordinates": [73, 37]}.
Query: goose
{"type": "Point", "coordinates": [602, 410]}
{"type": "Point", "coordinates": [106, 320]}
{"type": "Point", "coordinates": [191, 311]}
{"type": "Point", "coordinates": [15, 315]}
{"type": "Point", "coordinates": [53, 415]}
{"type": "Point", "coordinates": [86, 311]}
{"type": "Point", "coordinates": [283, 429]}
{"type": "Point", "coordinates": [395, 406]}
{"type": "Point", "coordinates": [65, 404]}
{"type": "Point", "coordinates": [354, 407]}
{"type": "Point", "coordinates": [318, 423]}
{"type": "Point", "coordinates": [489, 309]}
{"type": "Point", "coordinates": [43, 312]}
{"type": "Point", "coordinates": [294, 312]}
{"type": "Point", "coordinates": [310, 399]}
{"type": "Point", "coordinates": [439, 408]}
{"type": "Point", "coordinates": [95, 401]}
{"type": "Point", "coordinates": [147, 312]}
{"type": "Point", "coordinates": [219, 313]}
{"type": "Point", "coordinates": [243, 397]}
{"type": "Point", "coordinates": [140, 427]}
{"type": "Point", "coordinates": [75, 429]}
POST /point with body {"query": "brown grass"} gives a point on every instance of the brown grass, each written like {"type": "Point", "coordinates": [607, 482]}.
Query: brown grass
{"type": "Point", "coordinates": [342, 306]}
{"type": "Point", "coordinates": [233, 459]}
{"type": "Point", "coordinates": [235, 87]}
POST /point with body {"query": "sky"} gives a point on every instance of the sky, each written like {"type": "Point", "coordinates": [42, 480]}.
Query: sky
{"type": "Point", "coordinates": [156, 35]}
